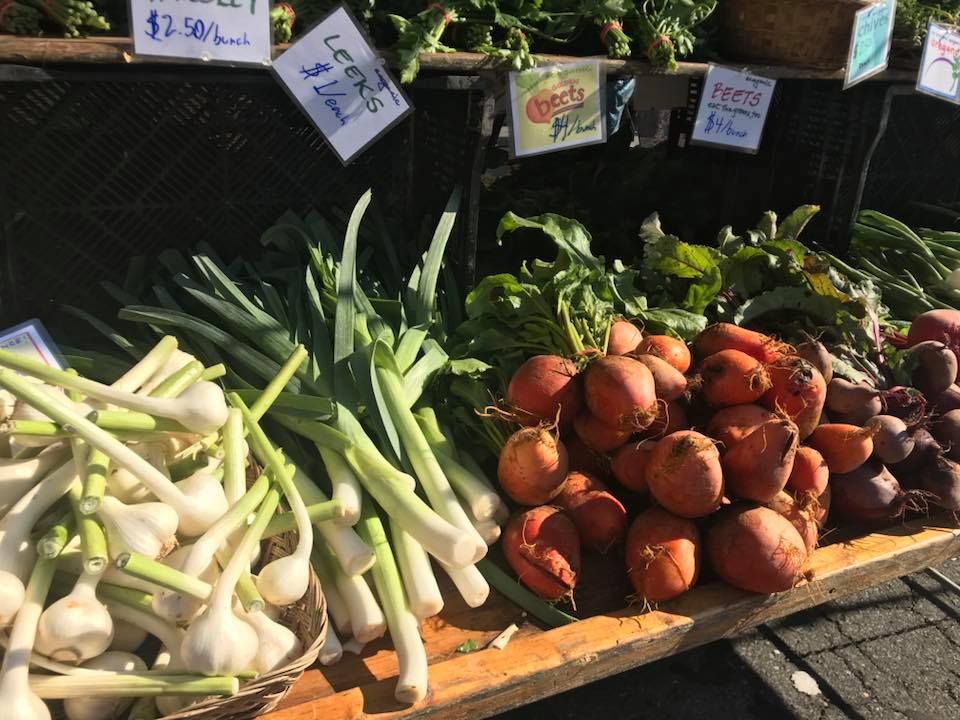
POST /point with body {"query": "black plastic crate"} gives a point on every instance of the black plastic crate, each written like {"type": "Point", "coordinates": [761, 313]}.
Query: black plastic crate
{"type": "Point", "coordinates": [98, 166]}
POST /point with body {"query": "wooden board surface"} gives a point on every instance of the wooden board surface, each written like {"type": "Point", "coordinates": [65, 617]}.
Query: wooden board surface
{"type": "Point", "coordinates": [118, 50]}
{"type": "Point", "coordinates": [537, 664]}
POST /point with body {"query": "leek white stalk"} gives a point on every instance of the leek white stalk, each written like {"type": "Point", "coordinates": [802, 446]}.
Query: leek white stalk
{"type": "Point", "coordinates": [353, 646]}
{"type": "Point", "coordinates": [104, 708]}
{"type": "Point", "coordinates": [147, 366]}
{"type": "Point", "coordinates": [488, 530]}
{"type": "Point", "coordinates": [277, 644]}
{"type": "Point", "coordinates": [127, 637]}
{"type": "Point", "coordinates": [470, 583]}
{"type": "Point", "coordinates": [17, 700]}
{"type": "Point", "coordinates": [18, 476]}
{"type": "Point", "coordinates": [419, 582]}
{"type": "Point", "coordinates": [282, 581]}
{"type": "Point", "coordinates": [366, 617]}
{"type": "Point", "coordinates": [16, 550]}
{"type": "Point", "coordinates": [199, 558]}
{"type": "Point", "coordinates": [404, 629]}
{"type": "Point", "coordinates": [354, 556]}
{"type": "Point", "coordinates": [217, 641]}
{"type": "Point", "coordinates": [346, 487]}
{"type": "Point", "coordinates": [145, 528]}
{"type": "Point", "coordinates": [331, 651]}
{"type": "Point", "coordinates": [197, 515]}
{"type": "Point", "coordinates": [325, 565]}
{"type": "Point", "coordinates": [77, 627]}
{"type": "Point", "coordinates": [201, 408]}
{"type": "Point", "coordinates": [424, 462]}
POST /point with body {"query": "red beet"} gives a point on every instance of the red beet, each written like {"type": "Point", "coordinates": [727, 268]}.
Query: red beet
{"type": "Point", "coordinates": [940, 325]}
{"type": "Point", "coordinates": [870, 494]}
{"type": "Point", "coordinates": [532, 466]}
{"type": "Point", "coordinates": [663, 555]}
{"type": "Point", "coordinates": [600, 518]}
{"type": "Point", "coordinates": [756, 549]}
{"type": "Point", "coordinates": [544, 386]}
{"type": "Point", "coordinates": [620, 392]}
{"type": "Point", "coordinates": [543, 548]}
{"type": "Point", "coordinates": [629, 465]}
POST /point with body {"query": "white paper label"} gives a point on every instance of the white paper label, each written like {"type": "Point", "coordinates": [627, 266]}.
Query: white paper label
{"type": "Point", "coordinates": [228, 31]}
{"type": "Point", "coordinates": [30, 338]}
{"type": "Point", "coordinates": [342, 84]}
{"type": "Point", "coordinates": [940, 65]}
{"type": "Point", "coordinates": [733, 109]}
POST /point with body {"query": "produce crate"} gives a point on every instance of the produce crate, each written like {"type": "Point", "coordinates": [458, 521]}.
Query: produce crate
{"type": "Point", "coordinates": [98, 165]}
{"type": "Point", "coordinates": [537, 664]}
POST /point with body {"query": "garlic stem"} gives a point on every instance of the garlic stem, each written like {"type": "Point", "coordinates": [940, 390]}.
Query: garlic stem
{"type": "Point", "coordinates": [159, 484]}
{"type": "Point", "coordinates": [284, 580]}
{"type": "Point", "coordinates": [94, 481]}
{"type": "Point", "coordinates": [168, 634]}
{"type": "Point", "coordinates": [126, 596]}
{"type": "Point", "coordinates": [234, 465]}
{"type": "Point", "coordinates": [214, 372]}
{"type": "Point", "coordinates": [272, 391]}
{"type": "Point", "coordinates": [19, 701]}
{"type": "Point", "coordinates": [175, 383]}
{"type": "Point", "coordinates": [318, 513]}
{"type": "Point", "coordinates": [123, 684]}
{"type": "Point", "coordinates": [93, 543]}
{"type": "Point", "coordinates": [148, 365]}
{"type": "Point", "coordinates": [148, 569]}
{"type": "Point", "coordinates": [51, 544]}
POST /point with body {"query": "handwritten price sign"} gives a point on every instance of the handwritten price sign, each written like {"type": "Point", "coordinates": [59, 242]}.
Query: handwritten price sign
{"type": "Point", "coordinates": [870, 41]}
{"type": "Point", "coordinates": [557, 108]}
{"type": "Point", "coordinates": [733, 109]}
{"type": "Point", "coordinates": [227, 31]}
{"type": "Point", "coordinates": [340, 82]}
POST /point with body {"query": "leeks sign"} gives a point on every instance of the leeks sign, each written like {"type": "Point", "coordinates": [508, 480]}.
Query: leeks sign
{"type": "Point", "coordinates": [342, 85]}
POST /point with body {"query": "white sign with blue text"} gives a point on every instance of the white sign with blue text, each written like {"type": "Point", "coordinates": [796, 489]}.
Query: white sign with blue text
{"type": "Point", "coordinates": [235, 32]}
{"type": "Point", "coordinates": [733, 109]}
{"type": "Point", "coordinates": [342, 84]}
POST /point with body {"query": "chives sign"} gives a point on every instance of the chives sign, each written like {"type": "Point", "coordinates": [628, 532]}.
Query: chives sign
{"type": "Point", "coordinates": [870, 42]}
{"type": "Point", "coordinates": [341, 84]}
{"type": "Point", "coordinates": [235, 32]}
{"type": "Point", "coordinates": [733, 109]}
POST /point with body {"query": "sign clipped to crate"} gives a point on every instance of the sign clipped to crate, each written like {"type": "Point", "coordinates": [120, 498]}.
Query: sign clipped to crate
{"type": "Point", "coordinates": [235, 32]}
{"type": "Point", "coordinates": [733, 109]}
{"type": "Point", "coordinates": [940, 64]}
{"type": "Point", "coordinates": [341, 84]}
{"type": "Point", "coordinates": [870, 42]}
{"type": "Point", "coordinates": [557, 108]}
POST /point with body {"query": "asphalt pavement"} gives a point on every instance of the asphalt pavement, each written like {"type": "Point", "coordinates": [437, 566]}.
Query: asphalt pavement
{"type": "Point", "coordinates": [891, 652]}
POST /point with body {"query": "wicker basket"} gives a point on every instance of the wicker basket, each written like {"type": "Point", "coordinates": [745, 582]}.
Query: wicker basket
{"type": "Point", "coordinates": [808, 33]}
{"type": "Point", "coordinates": [308, 619]}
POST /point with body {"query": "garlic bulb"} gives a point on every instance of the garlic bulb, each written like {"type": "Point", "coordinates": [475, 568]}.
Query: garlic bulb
{"type": "Point", "coordinates": [124, 485]}
{"type": "Point", "coordinates": [127, 637]}
{"type": "Point", "coordinates": [104, 708]}
{"type": "Point", "coordinates": [204, 490]}
{"type": "Point", "coordinates": [219, 643]}
{"type": "Point", "coordinates": [278, 645]}
{"type": "Point", "coordinates": [179, 607]}
{"type": "Point", "coordinates": [284, 580]}
{"type": "Point", "coordinates": [76, 627]}
{"type": "Point", "coordinates": [146, 528]}
{"type": "Point", "coordinates": [11, 596]}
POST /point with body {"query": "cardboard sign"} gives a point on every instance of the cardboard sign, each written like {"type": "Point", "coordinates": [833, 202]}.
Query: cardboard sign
{"type": "Point", "coordinates": [236, 32]}
{"type": "Point", "coordinates": [870, 42]}
{"type": "Point", "coordinates": [30, 338]}
{"type": "Point", "coordinates": [342, 85]}
{"type": "Point", "coordinates": [733, 109]}
{"type": "Point", "coordinates": [557, 108]}
{"type": "Point", "coordinates": [940, 65]}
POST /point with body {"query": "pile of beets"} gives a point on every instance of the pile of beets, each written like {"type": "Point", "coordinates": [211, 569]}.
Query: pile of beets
{"type": "Point", "coordinates": [732, 459]}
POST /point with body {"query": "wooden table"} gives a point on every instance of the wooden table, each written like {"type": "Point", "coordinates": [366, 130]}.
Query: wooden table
{"type": "Point", "coordinates": [537, 663]}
